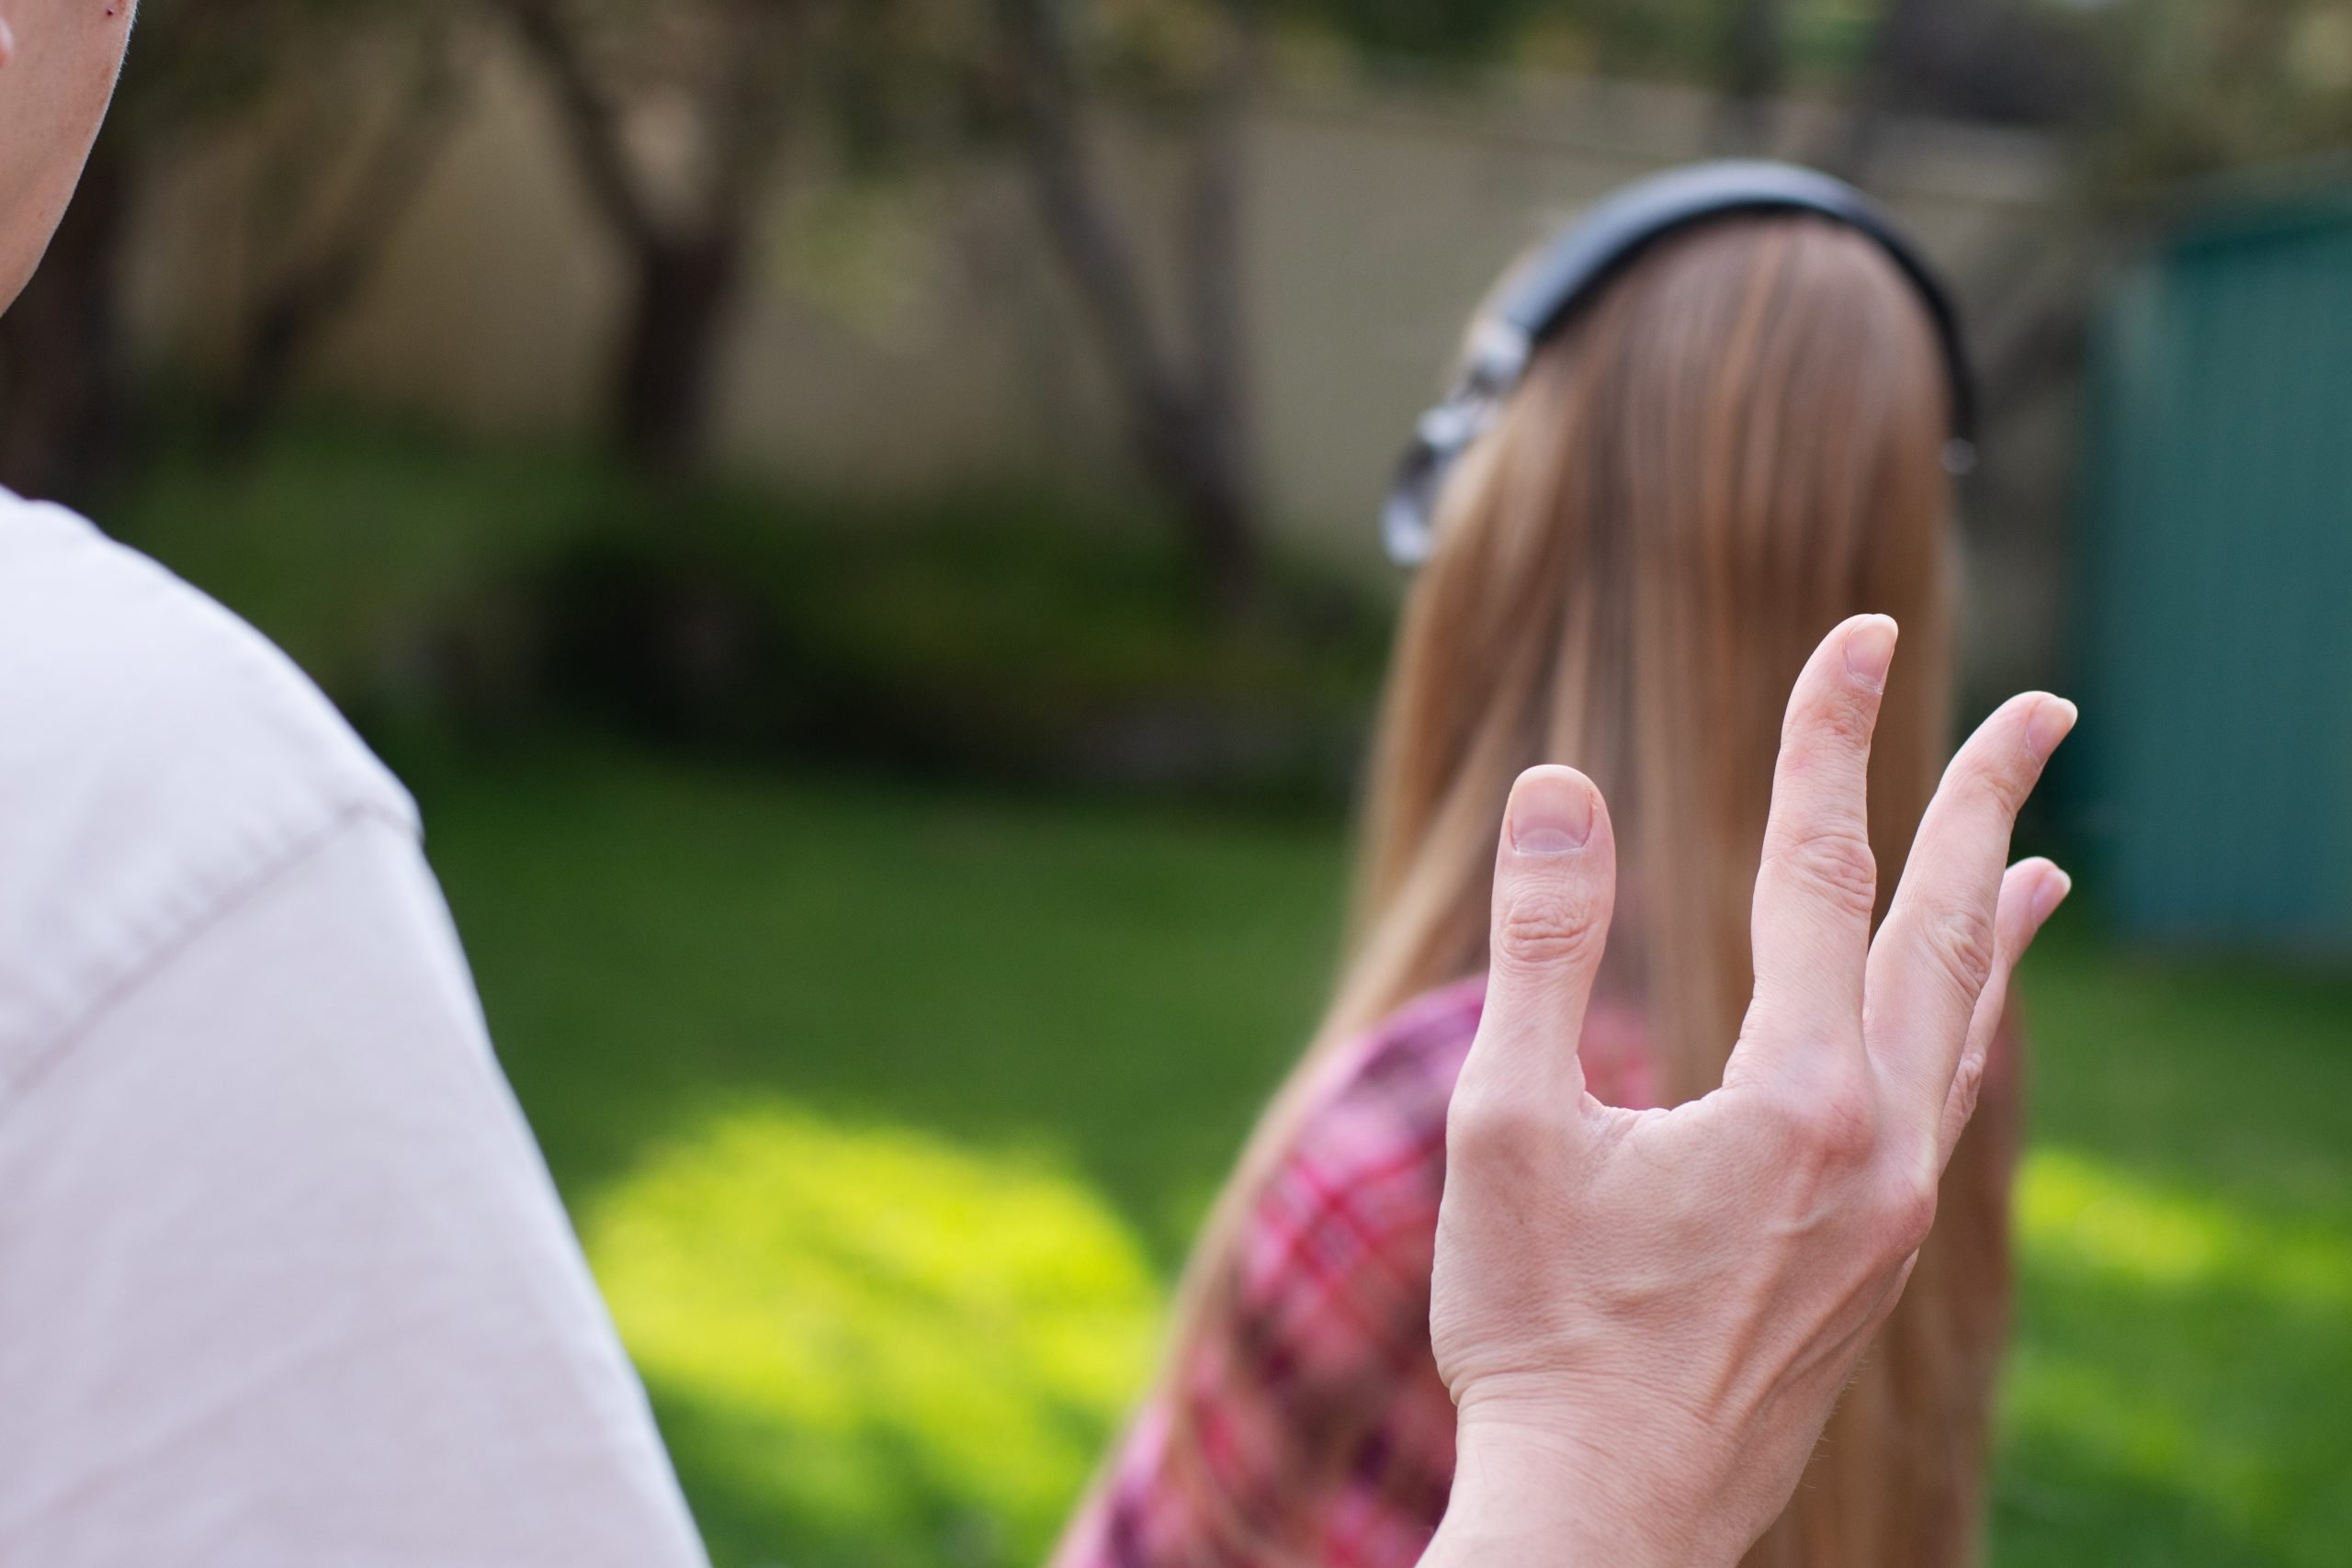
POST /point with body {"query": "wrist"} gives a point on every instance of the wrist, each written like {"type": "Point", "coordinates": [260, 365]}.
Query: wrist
{"type": "Point", "coordinates": [1528, 1497]}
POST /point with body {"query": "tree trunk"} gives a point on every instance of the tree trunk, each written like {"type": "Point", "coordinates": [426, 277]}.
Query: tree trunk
{"type": "Point", "coordinates": [1191, 452]}
{"type": "Point", "coordinates": [1223, 495]}
{"type": "Point", "coordinates": [303, 295]}
{"type": "Point", "coordinates": [62, 418]}
{"type": "Point", "coordinates": [1187, 406]}
{"type": "Point", "coordinates": [1221, 523]}
{"type": "Point", "coordinates": [670, 359]}
{"type": "Point", "coordinates": [265, 374]}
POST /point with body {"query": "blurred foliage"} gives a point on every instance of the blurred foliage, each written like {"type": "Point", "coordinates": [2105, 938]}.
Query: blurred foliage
{"type": "Point", "coordinates": [198, 59]}
{"type": "Point", "coordinates": [685, 118]}
{"type": "Point", "coordinates": [336, 112]}
{"type": "Point", "coordinates": [2201, 86]}
{"type": "Point", "coordinates": [988, 635]}
{"type": "Point", "coordinates": [1012, 631]}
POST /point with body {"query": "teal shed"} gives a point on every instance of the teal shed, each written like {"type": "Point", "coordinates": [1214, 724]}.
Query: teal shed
{"type": "Point", "coordinates": [2217, 579]}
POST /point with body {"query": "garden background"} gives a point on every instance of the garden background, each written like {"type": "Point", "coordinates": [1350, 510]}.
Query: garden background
{"type": "Point", "coordinates": [856, 522]}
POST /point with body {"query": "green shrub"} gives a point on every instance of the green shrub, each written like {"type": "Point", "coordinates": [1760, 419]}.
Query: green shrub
{"type": "Point", "coordinates": [1002, 631]}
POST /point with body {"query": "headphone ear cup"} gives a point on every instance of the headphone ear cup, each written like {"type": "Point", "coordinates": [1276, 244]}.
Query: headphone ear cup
{"type": "Point", "coordinates": [1408, 519]}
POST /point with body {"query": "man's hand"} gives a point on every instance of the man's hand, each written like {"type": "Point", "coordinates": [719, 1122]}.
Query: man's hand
{"type": "Point", "coordinates": [1646, 1316]}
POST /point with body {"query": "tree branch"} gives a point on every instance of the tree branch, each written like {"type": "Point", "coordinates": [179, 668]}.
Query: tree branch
{"type": "Point", "coordinates": [1076, 218]}
{"type": "Point", "coordinates": [591, 120]}
{"type": "Point", "coordinates": [319, 283]}
{"type": "Point", "coordinates": [1215, 289]}
{"type": "Point", "coordinates": [754, 100]}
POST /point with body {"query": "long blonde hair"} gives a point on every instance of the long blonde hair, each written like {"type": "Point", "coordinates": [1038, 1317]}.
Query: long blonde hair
{"type": "Point", "coordinates": [1733, 448]}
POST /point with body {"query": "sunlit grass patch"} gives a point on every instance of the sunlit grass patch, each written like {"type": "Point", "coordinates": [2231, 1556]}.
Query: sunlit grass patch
{"type": "Point", "coordinates": [2077, 1214]}
{"type": "Point", "coordinates": [2180, 1348]}
{"type": "Point", "coordinates": [861, 1327]}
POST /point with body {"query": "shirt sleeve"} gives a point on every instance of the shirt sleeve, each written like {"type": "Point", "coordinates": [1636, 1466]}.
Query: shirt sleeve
{"type": "Point", "coordinates": [283, 1279]}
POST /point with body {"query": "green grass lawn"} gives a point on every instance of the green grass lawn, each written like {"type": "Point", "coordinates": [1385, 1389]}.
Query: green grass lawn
{"type": "Point", "coordinates": [885, 1113]}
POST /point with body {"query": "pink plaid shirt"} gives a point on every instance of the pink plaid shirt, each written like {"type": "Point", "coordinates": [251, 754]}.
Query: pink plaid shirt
{"type": "Point", "coordinates": [1322, 1432]}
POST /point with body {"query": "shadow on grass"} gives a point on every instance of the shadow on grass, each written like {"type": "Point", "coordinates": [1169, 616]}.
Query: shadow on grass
{"type": "Point", "coordinates": [2058, 1505]}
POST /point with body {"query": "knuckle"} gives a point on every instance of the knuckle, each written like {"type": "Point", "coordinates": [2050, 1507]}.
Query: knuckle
{"type": "Point", "coordinates": [1967, 1086]}
{"type": "Point", "coordinates": [1840, 721]}
{"type": "Point", "coordinates": [1831, 1130]}
{"type": "Point", "coordinates": [1960, 939]}
{"type": "Point", "coordinates": [2008, 782]}
{"type": "Point", "coordinates": [1841, 1127]}
{"type": "Point", "coordinates": [1485, 1128]}
{"type": "Point", "coordinates": [1835, 864]}
{"type": "Point", "coordinates": [2003, 771]}
{"type": "Point", "coordinates": [1542, 925]}
{"type": "Point", "coordinates": [1907, 1214]}
{"type": "Point", "coordinates": [1903, 1272]}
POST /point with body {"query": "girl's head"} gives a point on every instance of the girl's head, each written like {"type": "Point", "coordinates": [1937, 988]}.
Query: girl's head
{"type": "Point", "coordinates": [1735, 443]}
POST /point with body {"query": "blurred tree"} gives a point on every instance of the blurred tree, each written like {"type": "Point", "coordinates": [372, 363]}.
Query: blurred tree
{"type": "Point", "coordinates": [2148, 95]}
{"type": "Point", "coordinates": [1184, 68]}
{"type": "Point", "coordinates": [2200, 88]}
{"type": "Point", "coordinates": [677, 113]}
{"type": "Point", "coordinates": [345, 144]}
{"type": "Point", "coordinates": [326, 201]}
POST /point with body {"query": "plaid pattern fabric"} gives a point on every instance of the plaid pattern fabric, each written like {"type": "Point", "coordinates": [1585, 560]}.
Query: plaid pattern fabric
{"type": "Point", "coordinates": [1317, 1429]}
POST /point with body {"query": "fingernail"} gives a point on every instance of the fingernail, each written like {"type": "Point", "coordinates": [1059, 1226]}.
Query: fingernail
{"type": "Point", "coordinates": [2056, 886]}
{"type": "Point", "coordinates": [1869, 652]}
{"type": "Point", "coordinates": [8, 42]}
{"type": "Point", "coordinates": [2054, 719]}
{"type": "Point", "coordinates": [1552, 815]}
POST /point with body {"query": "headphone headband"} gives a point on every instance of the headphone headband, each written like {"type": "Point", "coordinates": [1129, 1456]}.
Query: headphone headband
{"type": "Point", "coordinates": [1591, 250]}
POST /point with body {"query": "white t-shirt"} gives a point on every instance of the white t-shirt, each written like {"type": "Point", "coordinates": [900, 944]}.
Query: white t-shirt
{"type": "Point", "coordinates": [283, 1279]}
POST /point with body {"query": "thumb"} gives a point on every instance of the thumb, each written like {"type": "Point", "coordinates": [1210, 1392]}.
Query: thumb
{"type": "Point", "coordinates": [1555, 884]}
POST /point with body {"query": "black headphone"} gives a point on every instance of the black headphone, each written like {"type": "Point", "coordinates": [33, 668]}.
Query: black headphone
{"type": "Point", "coordinates": [1591, 250]}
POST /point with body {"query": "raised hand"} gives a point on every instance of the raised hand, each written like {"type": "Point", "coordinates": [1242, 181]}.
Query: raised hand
{"type": "Point", "coordinates": [1645, 1318]}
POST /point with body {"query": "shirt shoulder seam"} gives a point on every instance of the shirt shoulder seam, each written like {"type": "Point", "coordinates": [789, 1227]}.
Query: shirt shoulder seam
{"type": "Point", "coordinates": [155, 955]}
